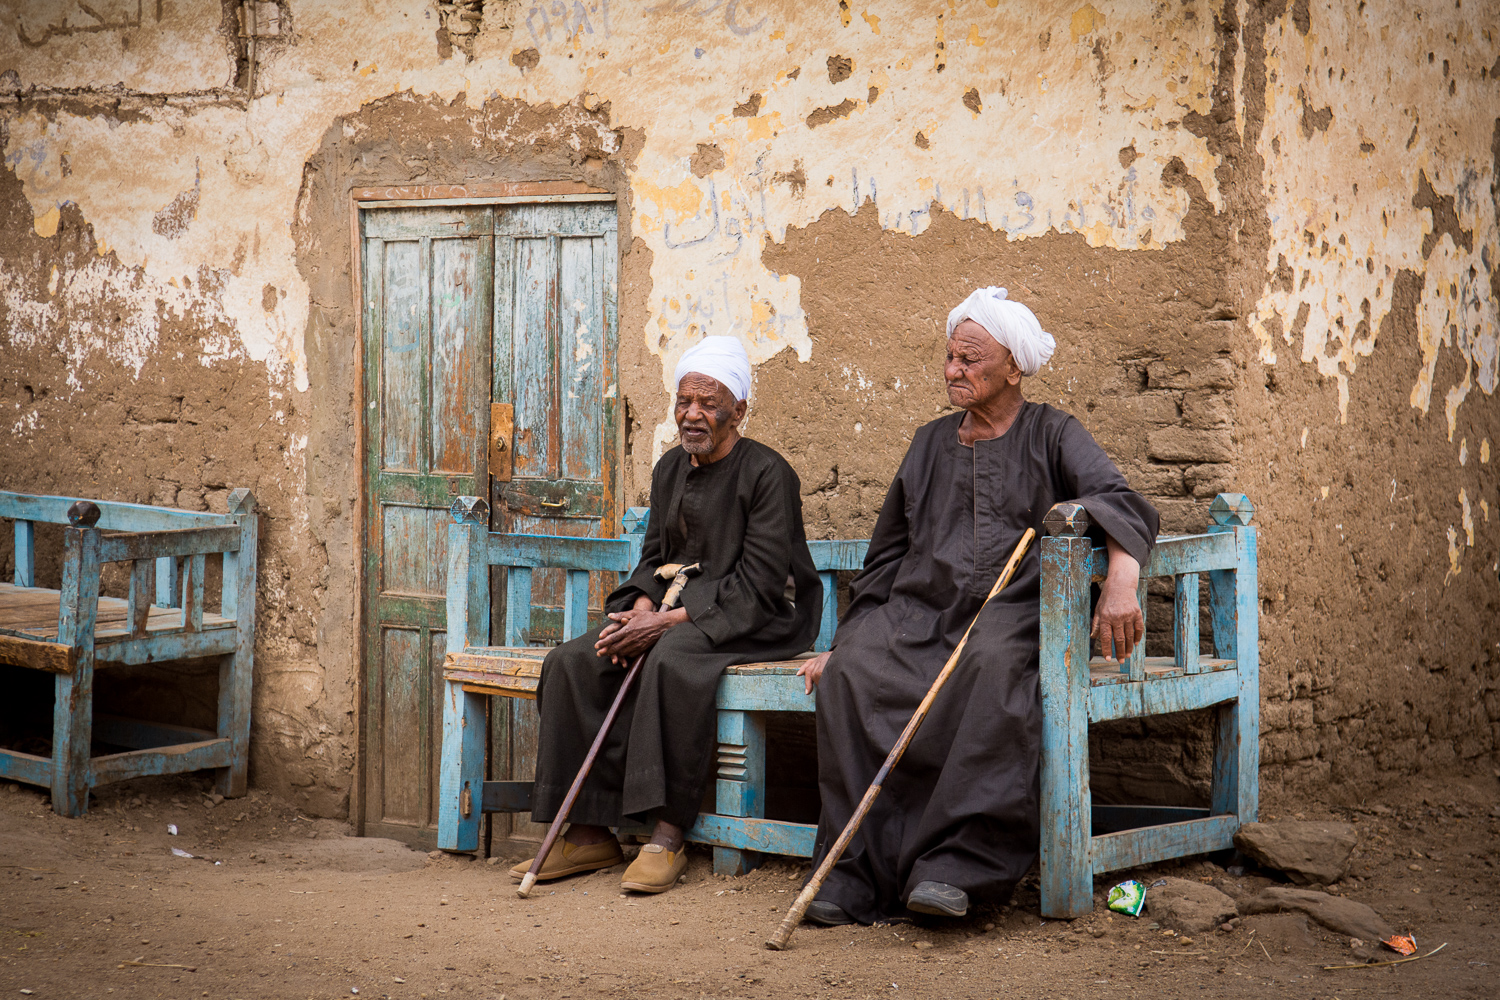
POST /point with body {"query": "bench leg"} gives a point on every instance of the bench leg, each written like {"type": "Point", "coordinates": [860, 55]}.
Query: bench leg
{"type": "Point", "coordinates": [741, 789]}
{"type": "Point", "coordinates": [461, 785]}
{"type": "Point", "coordinates": [236, 671]}
{"type": "Point", "coordinates": [234, 723]}
{"type": "Point", "coordinates": [72, 730]}
{"type": "Point", "coordinates": [1067, 870]}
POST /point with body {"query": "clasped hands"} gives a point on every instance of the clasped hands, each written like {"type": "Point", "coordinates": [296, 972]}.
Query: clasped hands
{"type": "Point", "coordinates": [631, 633]}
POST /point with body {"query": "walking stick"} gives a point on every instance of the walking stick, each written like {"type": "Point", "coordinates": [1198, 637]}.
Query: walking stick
{"type": "Point", "coordinates": [783, 935]}
{"type": "Point", "coordinates": [679, 574]}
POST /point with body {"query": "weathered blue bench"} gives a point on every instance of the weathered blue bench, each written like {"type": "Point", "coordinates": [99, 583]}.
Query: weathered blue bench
{"type": "Point", "coordinates": [73, 631]}
{"type": "Point", "coordinates": [1078, 690]}
{"type": "Point", "coordinates": [737, 829]}
{"type": "Point", "coordinates": [1075, 691]}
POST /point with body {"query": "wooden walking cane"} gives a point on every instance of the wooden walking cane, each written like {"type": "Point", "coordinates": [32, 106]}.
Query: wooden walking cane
{"type": "Point", "coordinates": [679, 574]}
{"type": "Point", "coordinates": [783, 935]}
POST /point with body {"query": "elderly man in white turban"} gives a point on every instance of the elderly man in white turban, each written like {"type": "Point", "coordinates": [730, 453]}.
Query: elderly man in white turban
{"type": "Point", "coordinates": [734, 506]}
{"type": "Point", "coordinates": [959, 816]}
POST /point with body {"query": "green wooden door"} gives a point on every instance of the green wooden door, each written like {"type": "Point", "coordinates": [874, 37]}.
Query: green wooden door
{"type": "Point", "coordinates": [464, 306]}
{"type": "Point", "coordinates": [555, 319]}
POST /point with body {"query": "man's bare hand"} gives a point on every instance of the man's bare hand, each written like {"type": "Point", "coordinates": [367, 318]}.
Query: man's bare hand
{"type": "Point", "coordinates": [1118, 621]}
{"type": "Point", "coordinates": [631, 633]}
{"type": "Point", "coordinates": [812, 670]}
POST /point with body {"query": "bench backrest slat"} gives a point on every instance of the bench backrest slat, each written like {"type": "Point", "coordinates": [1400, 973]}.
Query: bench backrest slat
{"type": "Point", "coordinates": [113, 516]}
{"type": "Point", "coordinates": [520, 554]}
{"type": "Point", "coordinates": [561, 552]}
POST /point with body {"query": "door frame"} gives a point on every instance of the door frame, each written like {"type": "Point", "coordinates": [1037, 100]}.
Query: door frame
{"type": "Point", "coordinates": [363, 199]}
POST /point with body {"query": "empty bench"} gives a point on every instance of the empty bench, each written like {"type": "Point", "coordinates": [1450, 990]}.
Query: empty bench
{"type": "Point", "coordinates": [74, 631]}
{"type": "Point", "coordinates": [1075, 691]}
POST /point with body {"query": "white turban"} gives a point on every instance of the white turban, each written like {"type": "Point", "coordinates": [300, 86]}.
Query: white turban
{"type": "Point", "coordinates": [721, 358]}
{"type": "Point", "coordinates": [1013, 326]}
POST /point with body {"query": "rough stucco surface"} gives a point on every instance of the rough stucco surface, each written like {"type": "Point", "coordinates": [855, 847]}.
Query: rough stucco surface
{"type": "Point", "coordinates": [1266, 237]}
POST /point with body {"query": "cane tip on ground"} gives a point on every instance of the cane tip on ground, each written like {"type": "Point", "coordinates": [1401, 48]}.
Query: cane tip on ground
{"type": "Point", "coordinates": [524, 889]}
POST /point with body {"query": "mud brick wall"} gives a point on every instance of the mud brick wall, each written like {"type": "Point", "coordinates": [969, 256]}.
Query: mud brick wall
{"type": "Point", "coordinates": [1266, 236]}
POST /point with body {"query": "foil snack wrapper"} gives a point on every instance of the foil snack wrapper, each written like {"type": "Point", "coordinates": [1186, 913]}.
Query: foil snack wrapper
{"type": "Point", "coordinates": [1128, 897]}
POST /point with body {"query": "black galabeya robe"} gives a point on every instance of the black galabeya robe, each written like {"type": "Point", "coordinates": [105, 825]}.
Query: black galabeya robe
{"type": "Point", "coordinates": [962, 805]}
{"type": "Point", "coordinates": [757, 598]}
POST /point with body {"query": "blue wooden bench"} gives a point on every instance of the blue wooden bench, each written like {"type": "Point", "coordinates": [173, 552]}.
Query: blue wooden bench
{"type": "Point", "coordinates": [1078, 690]}
{"type": "Point", "coordinates": [74, 631]}
{"type": "Point", "coordinates": [737, 829]}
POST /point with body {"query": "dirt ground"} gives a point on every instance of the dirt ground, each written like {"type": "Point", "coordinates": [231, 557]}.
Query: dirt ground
{"type": "Point", "coordinates": [276, 905]}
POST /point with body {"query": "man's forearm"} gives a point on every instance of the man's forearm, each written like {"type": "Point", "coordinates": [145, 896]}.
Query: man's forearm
{"type": "Point", "coordinates": [1123, 568]}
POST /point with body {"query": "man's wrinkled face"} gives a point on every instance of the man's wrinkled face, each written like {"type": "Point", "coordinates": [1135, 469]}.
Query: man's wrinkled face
{"type": "Point", "coordinates": [706, 412]}
{"type": "Point", "coordinates": [979, 368]}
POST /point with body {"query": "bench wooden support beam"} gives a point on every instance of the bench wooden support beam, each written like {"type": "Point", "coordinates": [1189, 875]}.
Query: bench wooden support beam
{"type": "Point", "coordinates": [741, 786]}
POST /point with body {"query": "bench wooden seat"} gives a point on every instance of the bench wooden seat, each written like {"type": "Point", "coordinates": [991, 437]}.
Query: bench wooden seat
{"type": "Point", "coordinates": [32, 613]}
{"type": "Point", "coordinates": [1078, 837]}
{"type": "Point", "coordinates": [72, 631]}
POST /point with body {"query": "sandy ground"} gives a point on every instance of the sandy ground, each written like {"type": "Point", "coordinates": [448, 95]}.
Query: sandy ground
{"type": "Point", "coordinates": [275, 905]}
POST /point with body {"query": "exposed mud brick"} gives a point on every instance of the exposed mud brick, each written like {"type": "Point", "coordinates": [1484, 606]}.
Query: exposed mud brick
{"type": "Point", "coordinates": [1180, 444]}
{"type": "Point", "coordinates": [1156, 407]}
{"type": "Point", "coordinates": [1156, 480]}
{"type": "Point", "coordinates": [1215, 373]}
{"type": "Point", "coordinates": [1208, 481]}
{"type": "Point", "coordinates": [1275, 715]}
{"type": "Point", "coordinates": [1190, 907]}
{"type": "Point", "coordinates": [1205, 409]}
{"type": "Point", "coordinates": [1181, 517]}
{"type": "Point", "coordinates": [1344, 916]}
{"type": "Point", "coordinates": [1306, 851]}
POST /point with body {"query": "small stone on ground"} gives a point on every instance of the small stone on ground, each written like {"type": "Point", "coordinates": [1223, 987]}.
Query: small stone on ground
{"type": "Point", "coordinates": [1306, 851]}
{"type": "Point", "coordinates": [1189, 907]}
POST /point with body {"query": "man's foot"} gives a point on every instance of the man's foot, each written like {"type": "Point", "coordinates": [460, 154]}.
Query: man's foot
{"type": "Point", "coordinates": [655, 869]}
{"type": "Point", "coordinates": [826, 914]}
{"type": "Point", "coordinates": [569, 859]}
{"type": "Point", "coordinates": [939, 899]}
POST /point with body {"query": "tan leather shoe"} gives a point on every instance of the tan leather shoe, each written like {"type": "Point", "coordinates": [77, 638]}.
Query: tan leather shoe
{"type": "Point", "coordinates": [655, 869]}
{"type": "Point", "coordinates": [569, 859]}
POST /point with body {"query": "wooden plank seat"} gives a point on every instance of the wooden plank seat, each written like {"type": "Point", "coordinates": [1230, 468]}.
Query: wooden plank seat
{"type": "Point", "coordinates": [1114, 836]}
{"type": "Point", "coordinates": [72, 631]}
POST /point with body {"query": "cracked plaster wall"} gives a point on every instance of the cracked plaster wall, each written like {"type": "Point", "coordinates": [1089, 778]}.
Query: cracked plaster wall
{"type": "Point", "coordinates": [1199, 151]}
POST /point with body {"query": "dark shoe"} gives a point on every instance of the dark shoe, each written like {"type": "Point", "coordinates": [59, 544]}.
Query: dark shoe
{"type": "Point", "coordinates": [938, 899]}
{"type": "Point", "coordinates": [826, 914]}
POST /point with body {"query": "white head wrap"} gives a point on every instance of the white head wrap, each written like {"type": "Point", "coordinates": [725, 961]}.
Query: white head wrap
{"type": "Point", "coordinates": [1012, 325]}
{"type": "Point", "coordinates": [721, 358]}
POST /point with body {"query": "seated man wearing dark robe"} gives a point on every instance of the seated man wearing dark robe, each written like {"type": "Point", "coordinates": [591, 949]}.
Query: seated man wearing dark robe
{"type": "Point", "coordinates": [734, 506]}
{"type": "Point", "coordinates": [958, 816]}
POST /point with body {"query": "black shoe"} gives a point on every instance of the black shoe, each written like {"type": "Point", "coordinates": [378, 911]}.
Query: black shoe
{"type": "Point", "coordinates": [938, 899]}
{"type": "Point", "coordinates": [826, 914]}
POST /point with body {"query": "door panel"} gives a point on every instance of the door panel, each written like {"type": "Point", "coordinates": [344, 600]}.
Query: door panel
{"type": "Point", "coordinates": [460, 310]}
{"type": "Point", "coordinates": [582, 349]}
{"type": "Point", "coordinates": [554, 354]}
{"type": "Point", "coordinates": [415, 549]}
{"type": "Point", "coordinates": [401, 356]}
{"type": "Point", "coordinates": [427, 279]}
{"type": "Point", "coordinates": [534, 358]}
{"type": "Point", "coordinates": [401, 669]}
